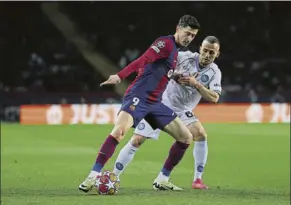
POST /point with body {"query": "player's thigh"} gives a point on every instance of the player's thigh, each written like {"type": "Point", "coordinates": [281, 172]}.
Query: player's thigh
{"type": "Point", "coordinates": [131, 113]}
{"type": "Point", "coordinates": [136, 107]}
{"type": "Point", "coordinates": [145, 130]}
{"type": "Point", "coordinates": [193, 124]}
{"type": "Point", "coordinates": [197, 130]}
{"type": "Point", "coordinates": [122, 125]}
{"type": "Point", "coordinates": [166, 119]}
{"type": "Point", "coordinates": [187, 116]}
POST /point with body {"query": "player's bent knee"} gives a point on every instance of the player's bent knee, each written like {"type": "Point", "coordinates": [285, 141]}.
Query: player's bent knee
{"type": "Point", "coordinates": [198, 131]}
{"type": "Point", "coordinates": [124, 122]}
{"type": "Point", "coordinates": [118, 132]}
{"type": "Point", "coordinates": [185, 136]}
{"type": "Point", "coordinates": [137, 140]}
{"type": "Point", "coordinates": [186, 140]}
{"type": "Point", "coordinates": [177, 130]}
{"type": "Point", "coordinates": [201, 135]}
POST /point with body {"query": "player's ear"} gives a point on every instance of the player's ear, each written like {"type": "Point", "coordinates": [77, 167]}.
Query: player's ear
{"type": "Point", "coordinates": [200, 48]}
{"type": "Point", "coordinates": [218, 54]}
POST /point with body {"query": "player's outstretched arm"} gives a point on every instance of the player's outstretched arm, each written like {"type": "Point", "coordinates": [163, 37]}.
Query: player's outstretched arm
{"type": "Point", "coordinates": [112, 80]}
{"type": "Point", "coordinates": [160, 49]}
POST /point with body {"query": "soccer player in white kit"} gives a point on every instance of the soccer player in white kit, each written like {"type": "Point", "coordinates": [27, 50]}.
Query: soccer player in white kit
{"type": "Point", "coordinates": [197, 76]}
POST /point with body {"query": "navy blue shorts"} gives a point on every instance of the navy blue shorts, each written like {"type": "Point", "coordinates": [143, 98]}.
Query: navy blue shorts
{"type": "Point", "coordinates": [156, 114]}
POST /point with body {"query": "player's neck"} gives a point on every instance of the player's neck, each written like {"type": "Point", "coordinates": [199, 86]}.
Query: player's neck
{"type": "Point", "coordinates": [201, 66]}
{"type": "Point", "coordinates": [179, 47]}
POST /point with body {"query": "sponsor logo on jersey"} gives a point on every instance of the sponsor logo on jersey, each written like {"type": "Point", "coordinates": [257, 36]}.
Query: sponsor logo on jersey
{"type": "Point", "coordinates": [155, 49]}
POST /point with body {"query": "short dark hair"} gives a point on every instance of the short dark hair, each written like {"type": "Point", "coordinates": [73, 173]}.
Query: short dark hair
{"type": "Point", "coordinates": [212, 40]}
{"type": "Point", "coordinates": [188, 20]}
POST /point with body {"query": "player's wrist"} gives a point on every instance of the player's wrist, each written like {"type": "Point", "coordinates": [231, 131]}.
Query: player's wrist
{"type": "Point", "coordinates": [120, 76]}
{"type": "Point", "coordinates": [197, 85]}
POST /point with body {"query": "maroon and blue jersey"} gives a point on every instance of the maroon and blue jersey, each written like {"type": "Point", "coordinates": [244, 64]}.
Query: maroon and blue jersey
{"type": "Point", "coordinates": [154, 67]}
{"type": "Point", "coordinates": [142, 99]}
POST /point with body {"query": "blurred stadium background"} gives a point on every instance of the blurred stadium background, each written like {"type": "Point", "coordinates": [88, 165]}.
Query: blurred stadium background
{"type": "Point", "coordinates": [54, 55]}
{"type": "Point", "coordinates": [60, 52]}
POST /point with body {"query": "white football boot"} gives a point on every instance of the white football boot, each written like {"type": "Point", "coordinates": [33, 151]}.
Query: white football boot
{"type": "Point", "coordinates": [88, 184]}
{"type": "Point", "coordinates": [165, 185]}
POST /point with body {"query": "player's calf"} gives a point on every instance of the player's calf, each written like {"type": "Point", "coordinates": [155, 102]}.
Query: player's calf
{"type": "Point", "coordinates": [127, 153]}
{"type": "Point", "coordinates": [183, 136]}
{"type": "Point", "coordinates": [124, 122]}
{"type": "Point", "coordinates": [200, 153]}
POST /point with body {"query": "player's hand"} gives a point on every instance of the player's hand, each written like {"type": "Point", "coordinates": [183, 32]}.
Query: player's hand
{"type": "Point", "coordinates": [112, 80]}
{"type": "Point", "coordinates": [177, 76]}
{"type": "Point", "coordinates": [189, 80]}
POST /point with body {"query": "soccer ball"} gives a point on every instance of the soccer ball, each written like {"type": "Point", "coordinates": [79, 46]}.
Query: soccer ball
{"type": "Point", "coordinates": [107, 183]}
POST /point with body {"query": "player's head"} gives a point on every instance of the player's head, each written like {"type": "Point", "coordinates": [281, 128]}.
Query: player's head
{"type": "Point", "coordinates": [209, 50]}
{"type": "Point", "coordinates": [186, 30]}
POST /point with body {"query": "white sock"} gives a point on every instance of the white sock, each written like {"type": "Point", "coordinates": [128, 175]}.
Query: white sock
{"type": "Point", "coordinates": [200, 153]}
{"type": "Point", "coordinates": [93, 174]}
{"type": "Point", "coordinates": [124, 158]}
{"type": "Point", "coordinates": [162, 177]}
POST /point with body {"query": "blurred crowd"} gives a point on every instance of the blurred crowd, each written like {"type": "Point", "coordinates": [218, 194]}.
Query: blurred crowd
{"type": "Point", "coordinates": [255, 44]}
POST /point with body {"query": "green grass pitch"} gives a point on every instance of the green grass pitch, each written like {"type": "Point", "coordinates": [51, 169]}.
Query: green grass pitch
{"type": "Point", "coordinates": [248, 164]}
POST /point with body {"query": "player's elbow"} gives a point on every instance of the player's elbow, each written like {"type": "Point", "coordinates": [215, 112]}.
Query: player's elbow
{"type": "Point", "coordinates": [215, 99]}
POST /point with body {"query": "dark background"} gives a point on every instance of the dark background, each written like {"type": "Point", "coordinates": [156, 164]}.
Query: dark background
{"type": "Point", "coordinates": [40, 66]}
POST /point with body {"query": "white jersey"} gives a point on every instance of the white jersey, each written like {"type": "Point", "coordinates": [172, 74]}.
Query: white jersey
{"type": "Point", "coordinates": [179, 97]}
{"type": "Point", "coordinates": [183, 99]}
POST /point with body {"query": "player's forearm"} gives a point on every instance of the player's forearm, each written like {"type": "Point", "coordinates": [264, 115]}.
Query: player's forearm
{"type": "Point", "coordinates": [148, 57]}
{"type": "Point", "coordinates": [130, 68]}
{"type": "Point", "coordinates": [207, 94]}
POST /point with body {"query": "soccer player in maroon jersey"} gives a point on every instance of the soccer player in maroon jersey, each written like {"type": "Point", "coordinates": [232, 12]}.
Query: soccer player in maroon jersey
{"type": "Point", "coordinates": [142, 100]}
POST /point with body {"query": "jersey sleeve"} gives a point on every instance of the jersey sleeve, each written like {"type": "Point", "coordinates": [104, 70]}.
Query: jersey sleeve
{"type": "Point", "coordinates": [160, 49]}
{"type": "Point", "coordinates": [215, 83]}
{"type": "Point", "coordinates": [183, 55]}
{"type": "Point", "coordinates": [185, 59]}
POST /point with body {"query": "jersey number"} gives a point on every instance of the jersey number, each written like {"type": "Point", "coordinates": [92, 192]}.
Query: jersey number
{"type": "Point", "coordinates": [189, 114]}
{"type": "Point", "coordinates": [135, 101]}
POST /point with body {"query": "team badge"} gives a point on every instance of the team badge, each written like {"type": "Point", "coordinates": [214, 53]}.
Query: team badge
{"type": "Point", "coordinates": [141, 126]}
{"type": "Point", "coordinates": [204, 78]}
{"type": "Point", "coordinates": [158, 45]}
{"type": "Point", "coordinates": [119, 166]}
{"type": "Point", "coordinates": [200, 168]}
